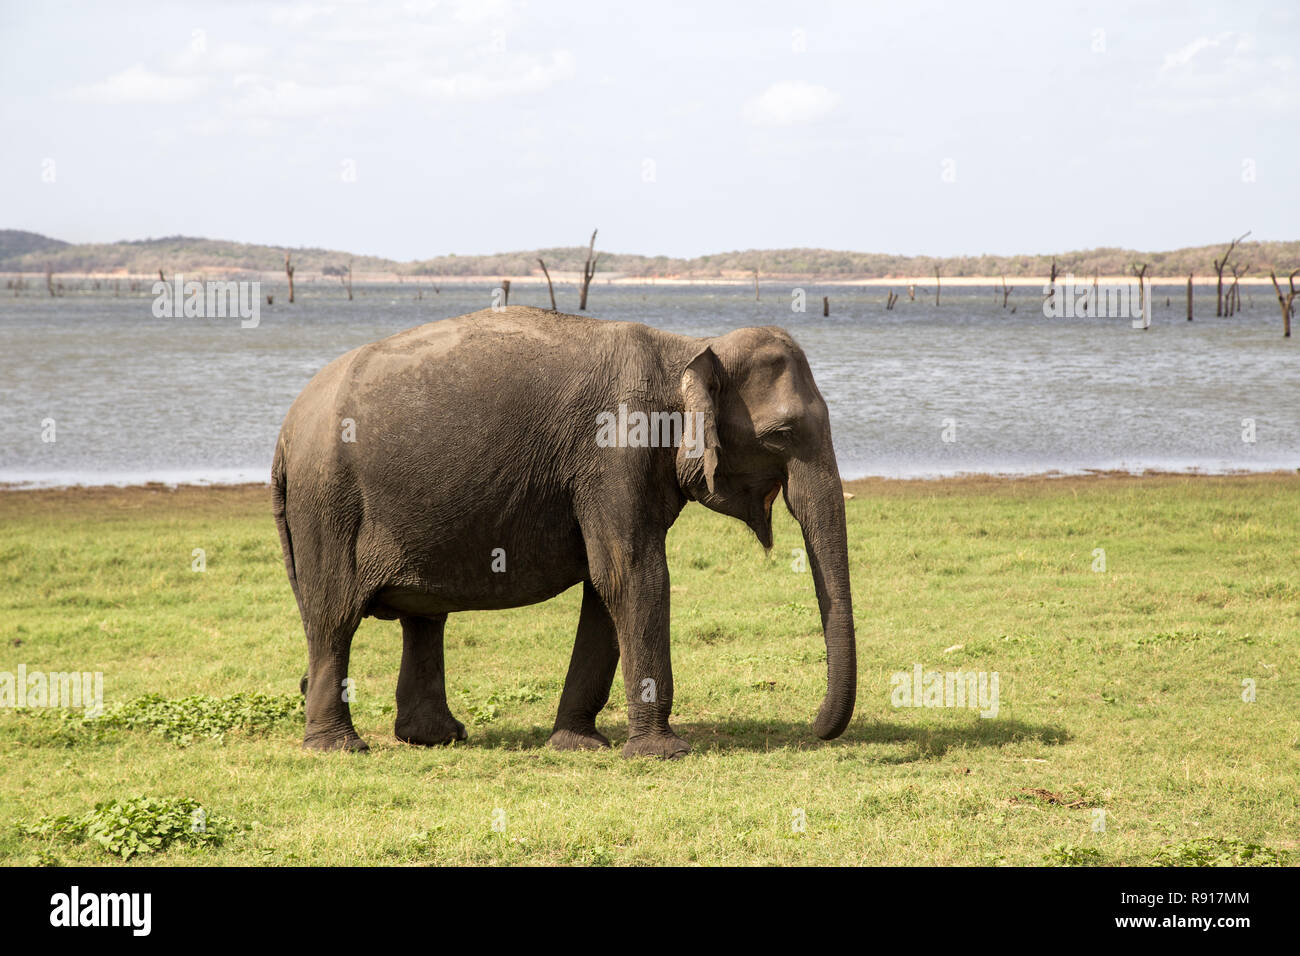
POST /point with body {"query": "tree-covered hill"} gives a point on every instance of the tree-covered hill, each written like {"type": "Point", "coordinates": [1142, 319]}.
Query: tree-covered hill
{"type": "Point", "coordinates": [15, 243]}
{"type": "Point", "coordinates": [29, 252]}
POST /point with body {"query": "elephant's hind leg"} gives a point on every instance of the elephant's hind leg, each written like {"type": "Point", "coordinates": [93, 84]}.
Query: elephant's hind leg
{"type": "Point", "coordinates": [591, 672]}
{"type": "Point", "coordinates": [329, 719]}
{"type": "Point", "coordinates": [422, 713]}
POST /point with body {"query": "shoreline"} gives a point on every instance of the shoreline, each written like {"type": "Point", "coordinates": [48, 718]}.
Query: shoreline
{"type": "Point", "coordinates": [35, 281]}
{"type": "Point", "coordinates": [860, 483]}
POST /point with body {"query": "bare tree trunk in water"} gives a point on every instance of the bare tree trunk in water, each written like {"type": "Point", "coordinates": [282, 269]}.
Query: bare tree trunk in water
{"type": "Point", "coordinates": [1142, 295]}
{"type": "Point", "coordinates": [1219, 265]}
{"type": "Point", "coordinates": [1286, 301]}
{"type": "Point", "coordinates": [588, 271]}
{"type": "Point", "coordinates": [550, 287]}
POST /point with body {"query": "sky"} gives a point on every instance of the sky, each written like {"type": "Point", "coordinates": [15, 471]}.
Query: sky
{"type": "Point", "coordinates": [414, 129]}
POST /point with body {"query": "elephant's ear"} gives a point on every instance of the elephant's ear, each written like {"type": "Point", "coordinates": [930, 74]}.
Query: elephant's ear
{"type": "Point", "coordinates": [700, 383]}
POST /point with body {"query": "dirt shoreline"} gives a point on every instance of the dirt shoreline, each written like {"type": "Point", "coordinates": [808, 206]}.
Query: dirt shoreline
{"type": "Point", "coordinates": [15, 500]}
{"type": "Point", "coordinates": [306, 280]}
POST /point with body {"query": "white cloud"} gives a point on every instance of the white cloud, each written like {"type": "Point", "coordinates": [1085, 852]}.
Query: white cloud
{"type": "Point", "coordinates": [1224, 72]}
{"type": "Point", "coordinates": [136, 84]}
{"type": "Point", "coordinates": [507, 77]}
{"type": "Point", "coordinates": [1220, 51]}
{"type": "Point", "coordinates": [332, 61]}
{"type": "Point", "coordinates": [287, 98]}
{"type": "Point", "coordinates": [790, 104]}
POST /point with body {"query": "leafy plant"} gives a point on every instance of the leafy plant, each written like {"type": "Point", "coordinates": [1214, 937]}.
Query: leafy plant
{"type": "Point", "coordinates": [425, 839]}
{"type": "Point", "coordinates": [184, 719]}
{"type": "Point", "coordinates": [137, 825]}
{"type": "Point", "coordinates": [1068, 854]}
{"type": "Point", "coordinates": [479, 714]}
{"type": "Point", "coordinates": [585, 855]}
{"type": "Point", "coordinates": [600, 856]}
{"type": "Point", "coordinates": [56, 727]}
{"type": "Point", "coordinates": [1211, 851]}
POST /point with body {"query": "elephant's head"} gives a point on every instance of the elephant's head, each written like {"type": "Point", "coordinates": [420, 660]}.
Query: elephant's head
{"type": "Point", "coordinates": [751, 401]}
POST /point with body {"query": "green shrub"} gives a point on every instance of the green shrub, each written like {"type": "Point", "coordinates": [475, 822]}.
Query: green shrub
{"type": "Point", "coordinates": [137, 825]}
{"type": "Point", "coordinates": [183, 719]}
{"type": "Point", "coordinates": [1067, 854]}
{"type": "Point", "coordinates": [1210, 851]}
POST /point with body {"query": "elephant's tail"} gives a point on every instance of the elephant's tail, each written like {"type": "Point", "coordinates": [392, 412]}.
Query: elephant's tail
{"type": "Point", "coordinates": [278, 488]}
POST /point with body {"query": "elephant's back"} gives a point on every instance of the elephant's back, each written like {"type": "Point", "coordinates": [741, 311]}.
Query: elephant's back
{"type": "Point", "coordinates": [485, 387]}
{"type": "Point", "coordinates": [490, 335]}
{"type": "Point", "coordinates": [455, 353]}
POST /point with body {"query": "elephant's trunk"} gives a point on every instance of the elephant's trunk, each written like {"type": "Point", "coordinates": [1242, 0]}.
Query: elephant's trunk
{"type": "Point", "coordinates": [815, 497]}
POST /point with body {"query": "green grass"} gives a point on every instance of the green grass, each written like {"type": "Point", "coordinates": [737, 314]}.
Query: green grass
{"type": "Point", "coordinates": [1120, 692]}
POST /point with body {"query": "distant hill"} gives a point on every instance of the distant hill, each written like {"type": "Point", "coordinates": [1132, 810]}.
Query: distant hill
{"type": "Point", "coordinates": [29, 252]}
{"type": "Point", "coordinates": [15, 243]}
{"type": "Point", "coordinates": [172, 254]}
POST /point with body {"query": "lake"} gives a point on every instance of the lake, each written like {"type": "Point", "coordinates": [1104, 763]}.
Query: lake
{"type": "Point", "coordinates": [920, 391]}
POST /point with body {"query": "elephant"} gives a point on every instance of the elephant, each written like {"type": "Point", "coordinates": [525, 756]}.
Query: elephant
{"type": "Point", "coordinates": [479, 463]}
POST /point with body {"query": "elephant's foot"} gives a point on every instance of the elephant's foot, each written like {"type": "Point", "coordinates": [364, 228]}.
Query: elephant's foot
{"type": "Point", "coordinates": [433, 732]}
{"type": "Point", "coordinates": [665, 746]}
{"type": "Point", "coordinates": [590, 738]}
{"type": "Point", "coordinates": [347, 740]}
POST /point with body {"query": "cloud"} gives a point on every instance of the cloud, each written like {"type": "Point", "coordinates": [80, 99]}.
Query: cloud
{"type": "Point", "coordinates": [1220, 52]}
{"type": "Point", "coordinates": [1224, 72]}
{"type": "Point", "coordinates": [287, 98]}
{"type": "Point", "coordinates": [331, 62]}
{"type": "Point", "coordinates": [136, 84]}
{"type": "Point", "coordinates": [789, 104]}
{"type": "Point", "coordinates": [510, 77]}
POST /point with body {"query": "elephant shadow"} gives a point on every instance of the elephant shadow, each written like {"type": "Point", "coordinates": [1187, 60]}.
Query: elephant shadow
{"type": "Point", "coordinates": [927, 741]}
{"type": "Point", "coordinates": [930, 741]}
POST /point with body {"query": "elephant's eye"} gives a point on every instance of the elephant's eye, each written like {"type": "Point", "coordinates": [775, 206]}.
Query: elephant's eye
{"type": "Point", "coordinates": [778, 437]}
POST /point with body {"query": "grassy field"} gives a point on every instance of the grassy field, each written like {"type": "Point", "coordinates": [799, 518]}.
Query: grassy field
{"type": "Point", "coordinates": [1120, 691]}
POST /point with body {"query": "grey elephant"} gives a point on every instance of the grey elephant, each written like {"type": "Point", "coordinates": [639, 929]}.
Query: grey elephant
{"type": "Point", "coordinates": [497, 459]}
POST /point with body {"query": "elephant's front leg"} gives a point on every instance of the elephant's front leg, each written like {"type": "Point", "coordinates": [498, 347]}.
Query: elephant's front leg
{"type": "Point", "coordinates": [632, 577]}
{"type": "Point", "coordinates": [422, 713]}
{"type": "Point", "coordinates": [591, 671]}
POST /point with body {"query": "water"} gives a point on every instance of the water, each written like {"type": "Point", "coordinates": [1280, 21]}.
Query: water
{"type": "Point", "coordinates": [137, 398]}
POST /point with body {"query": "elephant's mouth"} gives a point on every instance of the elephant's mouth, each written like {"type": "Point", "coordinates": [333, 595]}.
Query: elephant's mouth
{"type": "Point", "coordinates": [760, 519]}
{"type": "Point", "coordinates": [771, 497]}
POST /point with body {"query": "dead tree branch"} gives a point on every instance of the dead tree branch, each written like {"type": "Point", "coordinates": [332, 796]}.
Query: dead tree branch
{"type": "Point", "coordinates": [588, 271]}
{"type": "Point", "coordinates": [288, 271]}
{"type": "Point", "coordinates": [1285, 300]}
{"type": "Point", "coordinates": [1220, 264]}
{"type": "Point", "coordinates": [550, 288]}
